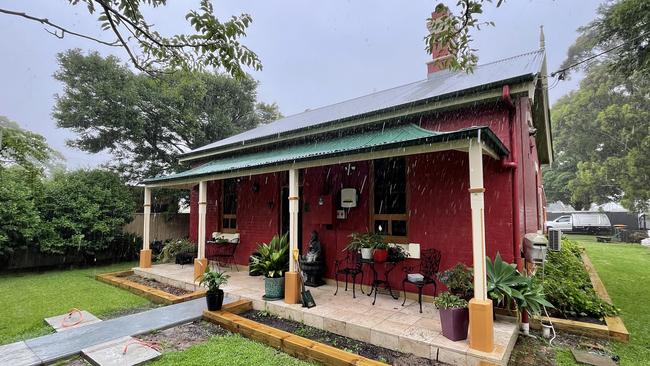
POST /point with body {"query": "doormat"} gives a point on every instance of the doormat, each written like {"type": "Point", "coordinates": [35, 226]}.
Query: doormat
{"type": "Point", "coordinates": [72, 319]}
{"type": "Point", "coordinates": [125, 351]}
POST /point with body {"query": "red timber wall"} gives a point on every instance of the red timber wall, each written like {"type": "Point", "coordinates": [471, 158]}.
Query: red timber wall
{"type": "Point", "coordinates": [439, 204]}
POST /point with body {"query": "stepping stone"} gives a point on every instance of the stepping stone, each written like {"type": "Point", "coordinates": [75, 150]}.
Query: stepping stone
{"type": "Point", "coordinates": [112, 353]}
{"type": "Point", "coordinates": [18, 354]}
{"type": "Point", "coordinates": [592, 359]}
{"type": "Point", "coordinates": [71, 320]}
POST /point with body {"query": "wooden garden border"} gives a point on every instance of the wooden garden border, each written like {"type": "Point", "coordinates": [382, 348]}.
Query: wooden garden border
{"type": "Point", "coordinates": [153, 294]}
{"type": "Point", "coordinates": [292, 344]}
{"type": "Point", "coordinates": [613, 327]}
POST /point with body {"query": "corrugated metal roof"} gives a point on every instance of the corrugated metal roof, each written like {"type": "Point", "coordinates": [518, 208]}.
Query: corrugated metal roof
{"type": "Point", "coordinates": [343, 144]}
{"type": "Point", "coordinates": [438, 85]}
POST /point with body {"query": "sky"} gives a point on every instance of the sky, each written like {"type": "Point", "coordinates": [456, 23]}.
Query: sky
{"type": "Point", "coordinates": [314, 53]}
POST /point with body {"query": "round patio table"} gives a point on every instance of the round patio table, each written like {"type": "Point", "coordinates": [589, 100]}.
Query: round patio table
{"type": "Point", "coordinates": [376, 281]}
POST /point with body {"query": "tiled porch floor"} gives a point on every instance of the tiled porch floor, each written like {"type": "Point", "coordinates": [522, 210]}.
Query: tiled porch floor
{"type": "Point", "coordinates": [387, 323]}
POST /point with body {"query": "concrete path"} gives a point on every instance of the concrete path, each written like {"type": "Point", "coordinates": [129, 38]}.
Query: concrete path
{"type": "Point", "coordinates": [49, 348]}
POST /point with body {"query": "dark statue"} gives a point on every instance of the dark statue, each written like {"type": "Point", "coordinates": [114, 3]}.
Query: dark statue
{"type": "Point", "coordinates": [312, 264]}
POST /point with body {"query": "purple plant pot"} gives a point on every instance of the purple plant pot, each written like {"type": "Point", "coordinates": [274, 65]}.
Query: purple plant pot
{"type": "Point", "coordinates": [454, 323]}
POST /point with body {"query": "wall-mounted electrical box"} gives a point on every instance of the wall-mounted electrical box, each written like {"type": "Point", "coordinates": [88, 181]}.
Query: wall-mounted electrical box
{"type": "Point", "coordinates": [348, 197]}
{"type": "Point", "coordinates": [340, 214]}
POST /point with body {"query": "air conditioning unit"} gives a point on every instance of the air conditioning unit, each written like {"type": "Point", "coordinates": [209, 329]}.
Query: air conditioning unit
{"type": "Point", "coordinates": [555, 239]}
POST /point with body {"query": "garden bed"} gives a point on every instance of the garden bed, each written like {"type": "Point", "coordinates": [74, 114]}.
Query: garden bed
{"type": "Point", "coordinates": [572, 278]}
{"type": "Point", "coordinates": [153, 290]}
{"type": "Point", "coordinates": [149, 282]}
{"type": "Point", "coordinates": [347, 344]}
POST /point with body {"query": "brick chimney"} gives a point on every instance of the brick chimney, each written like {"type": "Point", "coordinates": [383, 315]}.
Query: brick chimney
{"type": "Point", "coordinates": [439, 52]}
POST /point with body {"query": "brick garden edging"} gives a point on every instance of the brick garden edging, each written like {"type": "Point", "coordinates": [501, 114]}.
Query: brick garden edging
{"type": "Point", "coordinates": [613, 328]}
{"type": "Point", "coordinates": [153, 294]}
{"type": "Point", "coordinates": [292, 344]}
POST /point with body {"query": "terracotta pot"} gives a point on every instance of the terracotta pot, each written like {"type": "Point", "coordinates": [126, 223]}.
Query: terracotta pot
{"type": "Point", "coordinates": [380, 255]}
{"type": "Point", "coordinates": [214, 299]}
{"type": "Point", "coordinates": [454, 323]}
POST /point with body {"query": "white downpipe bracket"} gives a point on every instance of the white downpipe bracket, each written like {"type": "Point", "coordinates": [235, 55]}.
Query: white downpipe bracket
{"type": "Point", "coordinates": [294, 190]}
{"type": "Point", "coordinates": [478, 217]}
{"type": "Point", "coordinates": [146, 218]}
{"type": "Point", "coordinates": [203, 194]}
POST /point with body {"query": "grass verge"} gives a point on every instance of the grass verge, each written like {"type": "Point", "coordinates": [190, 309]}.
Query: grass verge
{"type": "Point", "coordinates": [28, 298]}
{"type": "Point", "coordinates": [230, 350]}
{"type": "Point", "coordinates": [623, 268]}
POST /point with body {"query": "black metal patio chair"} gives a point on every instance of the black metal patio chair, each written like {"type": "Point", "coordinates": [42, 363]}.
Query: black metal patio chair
{"type": "Point", "coordinates": [350, 266]}
{"type": "Point", "coordinates": [429, 264]}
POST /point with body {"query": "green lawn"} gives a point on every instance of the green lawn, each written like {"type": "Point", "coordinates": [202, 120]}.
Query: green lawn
{"type": "Point", "coordinates": [232, 350]}
{"type": "Point", "coordinates": [27, 298]}
{"type": "Point", "coordinates": [625, 271]}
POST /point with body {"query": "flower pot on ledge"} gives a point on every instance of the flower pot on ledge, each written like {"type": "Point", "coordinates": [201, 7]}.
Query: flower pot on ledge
{"type": "Point", "coordinates": [366, 253]}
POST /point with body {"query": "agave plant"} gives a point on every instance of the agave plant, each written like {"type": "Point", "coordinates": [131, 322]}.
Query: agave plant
{"type": "Point", "coordinates": [273, 258]}
{"type": "Point", "coordinates": [503, 281]}
{"type": "Point", "coordinates": [532, 297]}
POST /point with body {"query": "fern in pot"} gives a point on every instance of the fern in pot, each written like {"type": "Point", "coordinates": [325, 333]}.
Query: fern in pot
{"type": "Point", "coordinates": [454, 316]}
{"type": "Point", "coordinates": [364, 242]}
{"type": "Point", "coordinates": [213, 280]}
{"type": "Point", "coordinates": [272, 262]}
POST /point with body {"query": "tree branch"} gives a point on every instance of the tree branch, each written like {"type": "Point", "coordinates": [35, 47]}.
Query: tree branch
{"type": "Point", "coordinates": [63, 30]}
{"type": "Point", "coordinates": [135, 61]}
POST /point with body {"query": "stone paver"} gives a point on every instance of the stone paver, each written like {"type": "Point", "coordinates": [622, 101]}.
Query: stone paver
{"type": "Point", "coordinates": [56, 346]}
{"type": "Point", "coordinates": [112, 353]}
{"type": "Point", "coordinates": [18, 354]}
{"type": "Point", "coordinates": [64, 322]}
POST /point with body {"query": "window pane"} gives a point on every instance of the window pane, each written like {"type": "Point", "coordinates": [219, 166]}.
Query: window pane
{"type": "Point", "coordinates": [390, 186]}
{"type": "Point", "coordinates": [384, 227]}
{"type": "Point", "coordinates": [225, 223]}
{"type": "Point", "coordinates": [398, 228]}
{"type": "Point", "coordinates": [233, 223]}
{"type": "Point", "coordinates": [230, 196]}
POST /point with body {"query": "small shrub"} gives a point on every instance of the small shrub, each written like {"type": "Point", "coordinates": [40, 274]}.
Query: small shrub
{"type": "Point", "coordinates": [448, 301]}
{"type": "Point", "coordinates": [567, 284]}
{"type": "Point", "coordinates": [458, 280]}
{"type": "Point", "coordinates": [174, 247]}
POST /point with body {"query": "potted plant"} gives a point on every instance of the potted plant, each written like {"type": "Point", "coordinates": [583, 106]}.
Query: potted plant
{"type": "Point", "coordinates": [454, 316]}
{"type": "Point", "coordinates": [380, 253]}
{"type": "Point", "coordinates": [397, 253]}
{"type": "Point", "coordinates": [272, 261]}
{"type": "Point", "coordinates": [458, 279]}
{"type": "Point", "coordinates": [364, 242]}
{"type": "Point", "coordinates": [213, 280]}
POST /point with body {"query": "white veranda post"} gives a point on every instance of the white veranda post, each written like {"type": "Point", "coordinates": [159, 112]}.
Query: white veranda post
{"type": "Point", "coordinates": [481, 324]}
{"type": "Point", "coordinates": [145, 253]}
{"type": "Point", "coordinates": [293, 217]}
{"type": "Point", "coordinates": [478, 217]}
{"type": "Point", "coordinates": [146, 218]}
{"type": "Point", "coordinates": [201, 263]}
{"type": "Point", "coordinates": [203, 187]}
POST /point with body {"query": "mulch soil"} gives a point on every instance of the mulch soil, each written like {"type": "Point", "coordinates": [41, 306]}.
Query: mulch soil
{"type": "Point", "coordinates": [158, 285]}
{"type": "Point", "coordinates": [576, 317]}
{"type": "Point", "coordinates": [174, 339]}
{"type": "Point", "coordinates": [335, 340]}
{"type": "Point", "coordinates": [536, 351]}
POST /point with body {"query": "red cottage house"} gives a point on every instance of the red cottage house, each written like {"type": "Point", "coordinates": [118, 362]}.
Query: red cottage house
{"type": "Point", "coordinates": [451, 162]}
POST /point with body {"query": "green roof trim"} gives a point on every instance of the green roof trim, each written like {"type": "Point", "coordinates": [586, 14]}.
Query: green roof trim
{"type": "Point", "coordinates": [390, 137]}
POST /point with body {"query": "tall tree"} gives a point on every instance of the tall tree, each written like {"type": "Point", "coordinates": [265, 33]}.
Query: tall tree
{"type": "Point", "coordinates": [146, 122]}
{"type": "Point", "coordinates": [622, 32]}
{"type": "Point", "coordinates": [24, 148]}
{"type": "Point", "coordinates": [267, 112]}
{"type": "Point", "coordinates": [214, 43]}
{"type": "Point", "coordinates": [602, 141]}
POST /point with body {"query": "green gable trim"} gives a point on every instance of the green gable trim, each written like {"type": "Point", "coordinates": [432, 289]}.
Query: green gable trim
{"type": "Point", "coordinates": [397, 136]}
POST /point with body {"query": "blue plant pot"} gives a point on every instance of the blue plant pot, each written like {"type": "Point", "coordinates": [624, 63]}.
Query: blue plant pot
{"type": "Point", "coordinates": [274, 288]}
